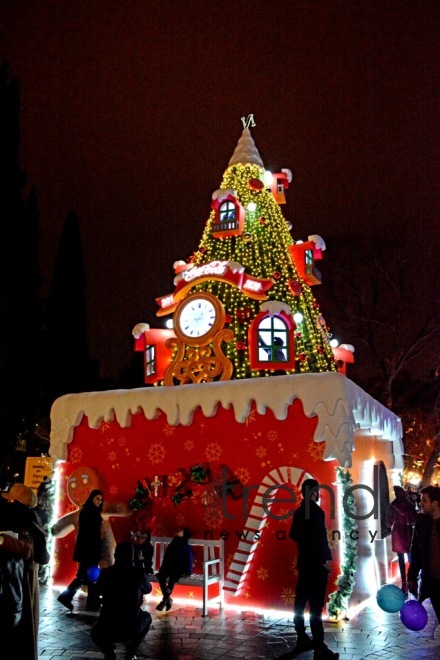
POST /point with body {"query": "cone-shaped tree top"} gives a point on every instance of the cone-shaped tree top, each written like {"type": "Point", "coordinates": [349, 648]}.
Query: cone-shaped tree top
{"type": "Point", "coordinates": [246, 153]}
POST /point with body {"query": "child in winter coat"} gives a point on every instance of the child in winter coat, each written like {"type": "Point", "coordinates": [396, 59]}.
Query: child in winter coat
{"type": "Point", "coordinates": [177, 563]}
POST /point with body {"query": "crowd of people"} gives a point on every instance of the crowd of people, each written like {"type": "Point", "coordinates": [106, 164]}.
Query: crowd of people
{"type": "Point", "coordinates": [414, 518]}
{"type": "Point", "coordinates": [118, 591]}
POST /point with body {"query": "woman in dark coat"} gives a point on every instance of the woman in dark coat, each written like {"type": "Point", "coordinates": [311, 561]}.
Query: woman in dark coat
{"type": "Point", "coordinates": [88, 550]}
{"type": "Point", "coordinates": [401, 516]}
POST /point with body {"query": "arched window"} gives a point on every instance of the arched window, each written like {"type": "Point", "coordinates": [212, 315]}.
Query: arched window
{"type": "Point", "coordinates": [229, 217]}
{"type": "Point", "coordinates": [271, 343]}
{"type": "Point", "coordinates": [272, 340]}
{"type": "Point", "coordinates": [227, 213]}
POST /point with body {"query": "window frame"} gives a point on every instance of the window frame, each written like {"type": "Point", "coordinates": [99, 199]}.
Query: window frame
{"type": "Point", "coordinates": [254, 341]}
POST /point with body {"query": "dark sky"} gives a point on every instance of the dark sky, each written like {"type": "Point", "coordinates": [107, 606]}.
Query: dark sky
{"type": "Point", "coordinates": [130, 111]}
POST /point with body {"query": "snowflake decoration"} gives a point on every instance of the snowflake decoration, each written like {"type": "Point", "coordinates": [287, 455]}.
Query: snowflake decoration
{"type": "Point", "coordinates": [272, 435]}
{"type": "Point", "coordinates": [248, 593]}
{"type": "Point", "coordinates": [213, 517]}
{"type": "Point", "coordinates": [113, 490]}
{"type": "Point", "coordinates": [76, 455]}
{"type": "Point", "coordinates": [316, 450]}
{"type": "Point", "coordinates": [262, 574]}
{"type": "Point", "coordinates": [243, 475]}
{"type": "Point", "coordinates": [156, 453]}
{"type": "Point", "coordinates": [294, 567]}
{"type": "Point", "coordinates": [160, 529]}
{"type": "Point", "coordinates": [287, 519]}
{"type": "Point", "coordinates": [250, 418]}
{"type": "Point", "coordinates": [190, 594]}
{"type": "Point", "coordinates": [213, 451]}
{"type": "Point", "coordinates": [122, 441]}
{"type": "Point", "coordinates": [104, 427]}
{"type": "Point", "coordinates": [288, 595]}
{"type": "Point", "coordinates": [188, 445]}
{"type": "Point", "coordinates": [168, 430]}
{"type": "Point", "coordinates": [261, 451]}
{"type": "Point", "coordinates": [180, 520]}
{"type": "Point", "coordinates": [112, 456]}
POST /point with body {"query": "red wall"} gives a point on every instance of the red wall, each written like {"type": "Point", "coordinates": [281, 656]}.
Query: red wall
{"type": "Point", "coordinates": [251, 450]}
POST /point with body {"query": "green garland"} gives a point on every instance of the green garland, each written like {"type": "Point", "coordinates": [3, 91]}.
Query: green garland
{"type": "Point", "coordinates": [141, 497]}
{"type": "Point", "coordinates": [345, 582]}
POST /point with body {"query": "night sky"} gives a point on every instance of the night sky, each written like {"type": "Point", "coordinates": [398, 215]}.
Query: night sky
{"type": "Point", "coordinates": [130, 112]}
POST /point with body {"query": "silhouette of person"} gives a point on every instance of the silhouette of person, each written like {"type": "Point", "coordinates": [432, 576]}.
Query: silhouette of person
{"type": "Point", "coordinates": [277, 354]}
{"type": "Point", "coordinates": [401, 516]}
{"type": "Point", "coordinates": [177, 562]}
{"type": "Point", "coordinates": [88, 550]}
{"type": "Point", "coordinates": [425, 550]}
{"type": "Point", "coordinates": [314, 556]}
{"type": "Point", "coordinates": [122, 619]}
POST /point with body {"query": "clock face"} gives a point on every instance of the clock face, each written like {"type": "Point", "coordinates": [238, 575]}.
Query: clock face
{"type": "Point", "coordinates": [197, 317]}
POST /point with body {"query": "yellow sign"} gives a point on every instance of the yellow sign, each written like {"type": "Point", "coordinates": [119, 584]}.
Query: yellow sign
{"type": "Point", "coordinates": [37, 467]}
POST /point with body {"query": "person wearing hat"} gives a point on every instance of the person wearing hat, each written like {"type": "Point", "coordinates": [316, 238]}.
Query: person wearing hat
{"type": "Point", "coordinates": [19, 517]}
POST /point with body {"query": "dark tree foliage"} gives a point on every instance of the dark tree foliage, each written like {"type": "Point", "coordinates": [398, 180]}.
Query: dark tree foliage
{"type": "Point", "coordinates": [20, 305]}
{"type": "Point", "coordinates": [382, 295]}
{"type": "Point", "coordinates": [69, 366]}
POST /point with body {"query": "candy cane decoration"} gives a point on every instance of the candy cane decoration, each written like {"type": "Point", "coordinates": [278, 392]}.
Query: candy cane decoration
{"type": "Point", "coordinates": [241, 563]}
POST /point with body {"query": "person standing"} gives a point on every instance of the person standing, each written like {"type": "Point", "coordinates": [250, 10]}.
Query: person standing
{"type": "Point", "coordinates": [401, 516]}
{"type": "Point", "coordinates": [19, 592]}
{"type": "Point", "coordinates": [87, 552]}
{"type": "Point", "coordinates": [177, 562]}
{"type": "Point", "coordinates": [314, 556]}
{"type": "Point", "coordinates": [425, 550]}
{"type": "Point", "coordinates": [122, 619]}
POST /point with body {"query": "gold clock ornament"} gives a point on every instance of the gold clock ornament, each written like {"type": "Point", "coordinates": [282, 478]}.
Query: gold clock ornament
{"type": "Point", "coordinates": [198, 326]}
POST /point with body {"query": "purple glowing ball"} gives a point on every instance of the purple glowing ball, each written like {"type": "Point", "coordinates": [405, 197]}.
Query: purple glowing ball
{"type": "Point", "coordinates": [413, 615]}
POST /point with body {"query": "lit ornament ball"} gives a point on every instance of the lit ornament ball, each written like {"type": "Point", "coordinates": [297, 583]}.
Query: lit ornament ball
{"type": "Point", "coordinates": [390, 598]}
{"type": "Point", "coordinates": [247, 237]}
{"type": "Point", "coordinates": [413, 615]}
{"type": "Point", "coordinates": [93, 573]}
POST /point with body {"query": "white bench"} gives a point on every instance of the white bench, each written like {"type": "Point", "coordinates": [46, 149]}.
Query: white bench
{"type": "Point", "coordinates": [213, 567]}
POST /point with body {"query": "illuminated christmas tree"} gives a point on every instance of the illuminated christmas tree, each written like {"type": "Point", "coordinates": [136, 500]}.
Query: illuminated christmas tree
{"type": "Point", "coordinates": [243, 305]}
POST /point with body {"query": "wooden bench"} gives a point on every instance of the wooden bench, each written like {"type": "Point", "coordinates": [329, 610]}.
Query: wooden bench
{"type": "Point", "coordinates": [213, 567]}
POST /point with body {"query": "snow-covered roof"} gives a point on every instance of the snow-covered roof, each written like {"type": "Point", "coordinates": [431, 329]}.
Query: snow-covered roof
{"type": "Point", "coordinates": [341, 407]}
{"type": "Point", "coordinates": [246, 153]}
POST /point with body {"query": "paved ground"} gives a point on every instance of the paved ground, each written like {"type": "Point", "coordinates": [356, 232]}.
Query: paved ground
{"type": "Point", "coordinates": [182, 634]}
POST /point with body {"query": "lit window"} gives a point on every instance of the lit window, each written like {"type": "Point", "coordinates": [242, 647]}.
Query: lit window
{"type": "Point", "coordinates": [227, 212]}
{"type": "Point", "coordinates": [309, 257]}
{"type": "Point", "coordinates": [272, 340]}
{"type": "Point", "coordinates": [150, 360]}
